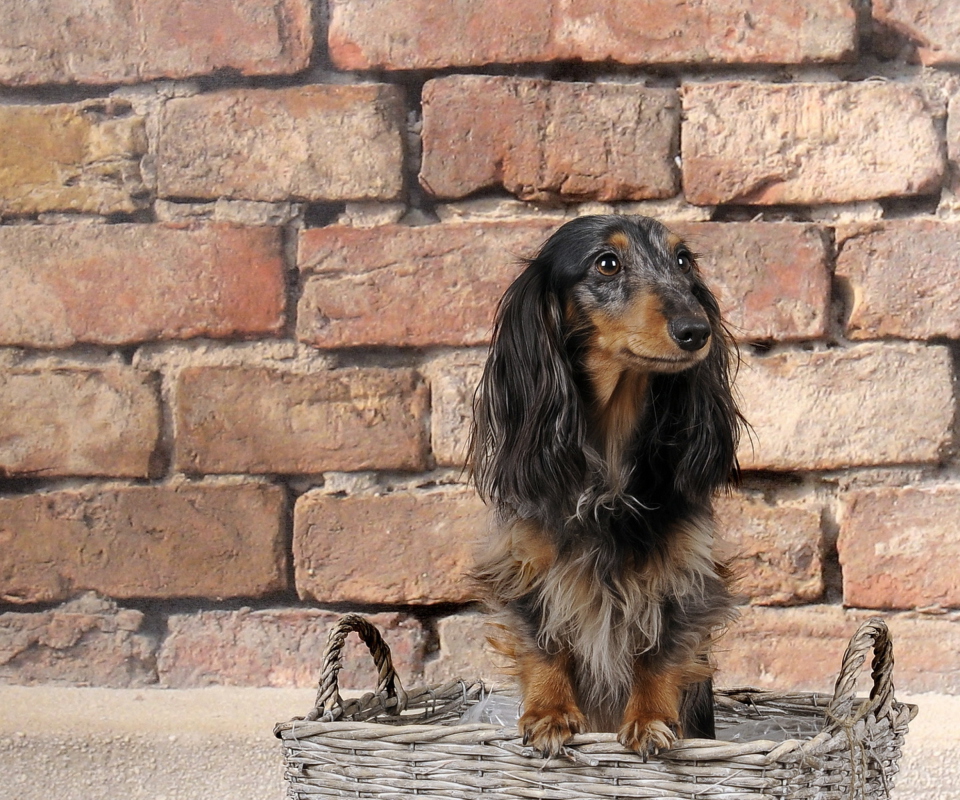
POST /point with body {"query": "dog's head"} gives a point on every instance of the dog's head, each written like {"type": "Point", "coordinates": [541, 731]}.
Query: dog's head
{"type": "Point", "coordinates": [634, 288]}
{"type": "Point", "coordinates": [606, 297]}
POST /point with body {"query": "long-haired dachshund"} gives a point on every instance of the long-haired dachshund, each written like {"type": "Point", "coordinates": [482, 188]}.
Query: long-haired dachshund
{"type": "Point", "coordinates": [603, 424]}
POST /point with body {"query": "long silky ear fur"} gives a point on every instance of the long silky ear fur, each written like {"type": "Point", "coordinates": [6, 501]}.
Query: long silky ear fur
{"type": "Point", "coordinates": [694, 421]}
{"type": "Point", "coordinates": [526, 443]}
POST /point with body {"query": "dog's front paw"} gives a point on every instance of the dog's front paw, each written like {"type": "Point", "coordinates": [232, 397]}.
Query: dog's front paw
{"type": "Point", "coordinates": [547, 730]}
{"type": "Point", "coordinates": [649, 736]}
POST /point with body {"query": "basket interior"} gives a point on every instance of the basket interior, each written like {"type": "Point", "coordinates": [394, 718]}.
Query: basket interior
{"type": "Point", "coordinates": [742, 715]}
{"type": "Point", "coordinates": [747, 715]}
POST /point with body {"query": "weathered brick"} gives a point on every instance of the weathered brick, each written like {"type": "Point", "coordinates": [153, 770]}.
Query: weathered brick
{"type": "Point", "coordinates": [846, 407]}
{"type": "Point", "coordinates": [760, 143]}
{"type": "Point", "coordinates": [903, 279]}
{"type": "Point", "coordinates": [120, 284]}
{"type": "Point", "coordinates": [897, 547]}
{"type": "Point", "coordinates": [774, 548]}
{"type": "Point", "coordinates": [452, 386]}
{"type": "Point", "coordinates": [121, 41]}
{"type": "Point", "coordinates": [790, 649]}
{"type": "Point", "coordinates": [87, 641]}
{"type": "Point", "coordinates": [772, 280]}
{"type": "Point", "coordinates": [399, 547]}
{"type": "Point", "coordinates": [262, 420]}
{"type": "Point", "coordinates": [315, 143]}
{"type": "Point", "coordinates": [801, 649]}
{"type": "Point", "coordinates": [953, 130]}
{"type": "Point", "coordinates": [187, 540]}
{"type": "Point", "coordinates": [931, 26]}
{"type": "Point", "coordinates": [413, 287]}
{"type": "Point", "coordinates": [544, 139]}
{"type": "Point", "coordinates": [361, 284]}
{"type": "Point", "coordinates": [926, 648]}
{"type": "Point", "coordinates": [414, 34]}
{"type": "Point", "coordinates": [464, 653]}
{"type": "Point", "coordinates": [279, 647]}
{"type": "Point", "coordinates": [71, 157]}
{"type": "Point", "coordinates": [77, 421]}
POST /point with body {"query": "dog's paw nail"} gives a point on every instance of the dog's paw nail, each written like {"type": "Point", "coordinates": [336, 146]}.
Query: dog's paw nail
{"type": "Point", "coordinates": [548, 730]}
{"type": "Point", "coordinates": [650, 737]}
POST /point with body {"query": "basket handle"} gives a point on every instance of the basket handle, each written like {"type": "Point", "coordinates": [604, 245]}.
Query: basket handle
{"type": "Point", "coordinates": [871, 635]}
{"type": "Point", "coordinates": [329, 702]}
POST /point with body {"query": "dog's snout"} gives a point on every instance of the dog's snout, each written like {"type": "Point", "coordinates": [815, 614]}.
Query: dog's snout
{"type": "Point", "coordinates": [690, 333]}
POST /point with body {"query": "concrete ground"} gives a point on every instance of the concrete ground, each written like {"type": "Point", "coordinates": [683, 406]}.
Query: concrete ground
{"type": "Point", "coordinates": [154, 744]}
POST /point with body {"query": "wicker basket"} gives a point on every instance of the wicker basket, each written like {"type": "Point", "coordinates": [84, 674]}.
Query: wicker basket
{"type": "Point", "coordinates": [391, 744]}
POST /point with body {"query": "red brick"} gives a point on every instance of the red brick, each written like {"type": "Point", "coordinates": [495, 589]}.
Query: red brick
{"type": "Point", "coordinates": [898, 547]}
{"type": "Point", "coordinates": [410, 287]}
{"type": "Point", "coordinates": [279, 647]}
{"type": "Point", "coordinates": [801, 649]}
{"type": "Point", "coordinates": [120, 284]}
{"type": "Point", "coordinates": [315, 143]}
{"type": "Point", "coordinates": [953, 132]}
{"type": "Point", "coordinates": [126, 41]}
{"type": "Point", "coordinates": [187, 540]}
{"type": "Point", "coordinates": [761, 143]}
{"type": "Point", "coordinates": [452, 386]}
{"type": "Point", "coordinates": [772, 280]}
{"type": "Point", "coordinates": [464, 653]}
{"type": "Point", "coordinates": [926, 648]}
{"type": "Point", "coordinates": [361, 284]}
{"type": "Point", "coordinates": [261, 420]}
{"type": "Point", "coordinates": [416, 34]}
{"type": "Point", "coordinates": [932, 27]}
{"type": "Point", "coordinates": [77, 421]}
{"type": "Point", "coordinates": [903, 279]}
{"type": "Point", "coordinates": [87, 641]}
{"type": "Point", "coordinates": [543, 139]}
{"type": "Point", "coordinates": [847, 407]}
{"type": "Point", "coordinates": [399, 547]}
{"type": "Point", "coordinates": [791, 649]}
{"type": "Point", "coordinates": [72, 157]}
{"type": "Point", "coordinates": [774, 548]}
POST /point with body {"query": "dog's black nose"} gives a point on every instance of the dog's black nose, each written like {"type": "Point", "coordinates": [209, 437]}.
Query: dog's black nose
{"type": "Point", "coordinates": [691, 333]}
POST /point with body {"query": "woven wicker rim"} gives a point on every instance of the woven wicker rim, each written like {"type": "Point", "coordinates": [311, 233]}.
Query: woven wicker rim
{"type": "Point", "coordinates": [842, 712]}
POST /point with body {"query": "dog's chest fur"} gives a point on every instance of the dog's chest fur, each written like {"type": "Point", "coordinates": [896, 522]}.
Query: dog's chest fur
{"type": "Point", "coordinates": [609, 618]}
{"type": "Point", "coordinates": [606, 605]}
{"type": "Point", "coordinates": [606, 618]}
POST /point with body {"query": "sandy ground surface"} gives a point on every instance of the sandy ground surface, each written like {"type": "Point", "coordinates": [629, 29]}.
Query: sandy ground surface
{"type": "Point", "coordinates": [930, 767]}
{"type": "Point", "coordinates": [103, 744]}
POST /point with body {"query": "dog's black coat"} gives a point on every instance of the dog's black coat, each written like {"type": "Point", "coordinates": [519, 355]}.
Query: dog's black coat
{"type": "Point", "coordinates": [604, 423]}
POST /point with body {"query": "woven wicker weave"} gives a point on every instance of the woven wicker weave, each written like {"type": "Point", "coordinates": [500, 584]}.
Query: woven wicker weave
{"type": "Point", "coordinates": [390, 744]}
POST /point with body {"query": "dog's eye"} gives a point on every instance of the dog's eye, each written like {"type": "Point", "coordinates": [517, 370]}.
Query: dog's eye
{"type": "Point", "coordinates": [607, 264]}
{"type": "Point", "coordinates": [684, 260]}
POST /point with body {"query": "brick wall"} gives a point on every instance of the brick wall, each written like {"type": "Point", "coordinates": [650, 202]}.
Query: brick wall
{"type": "Point", "coordinates": [249, 256]}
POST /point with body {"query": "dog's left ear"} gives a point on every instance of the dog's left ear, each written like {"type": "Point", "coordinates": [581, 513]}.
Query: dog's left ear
{"type": "Point", "coordinates": [711, 459]}
{"type": "Point", "coordinates": [701, 403]}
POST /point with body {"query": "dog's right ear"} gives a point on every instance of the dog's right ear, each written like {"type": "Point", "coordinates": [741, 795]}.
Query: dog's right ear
{"type": "Point", "coordinates": [526, 444]}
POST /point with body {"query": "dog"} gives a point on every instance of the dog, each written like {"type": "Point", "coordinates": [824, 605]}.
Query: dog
{"type": "Point", "coordinates": [604, 423]}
